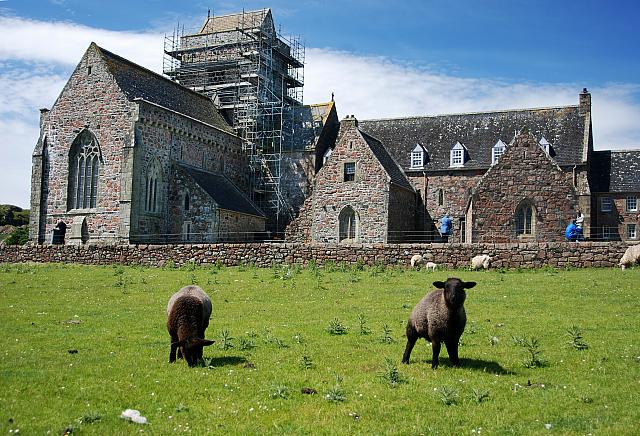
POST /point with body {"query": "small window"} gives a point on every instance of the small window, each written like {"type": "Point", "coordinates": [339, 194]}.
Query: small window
{"type": "Point", "coordinates": [349, 171]}
{"type": "Point", "coordinates": [186, 231]}
{"type": "Point", "coordinates": [632, 203]}
{"type": "Point", "coordinates": [497, 151]}
{"type": "Point", "coordinates": [186, 201]}
{"type": "Point", "coordinates": [631, 231]}
{"type": "Point", "coordinates": [605, 204]}
{"type": "Point", "coordinates": [347, 222]}
{"type": "Point", "coordinates": [525, 219]}
{"type": "Point", "coordinates": [606, 232]}
{"type": "Point", "coordinates": [326, 155]}
{"type": "Point", "coordinates": [457, 155]}
{"type": "Point", "coordinates": [545, 145]}
{"type": "Point", "coordinates": [417, 157]}
{"type": "Point", "coordinates": [440, 197]}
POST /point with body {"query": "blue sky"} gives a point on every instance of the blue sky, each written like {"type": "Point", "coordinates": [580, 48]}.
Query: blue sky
{"type": "Point", "coordinates": [381, 58]}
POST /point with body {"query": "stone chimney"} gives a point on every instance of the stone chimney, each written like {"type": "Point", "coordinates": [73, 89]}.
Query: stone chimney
{"type": "Point", "coordinates": [585, 102]}
{"type": "Point", "coordinates": [349, 122]}
{"type": "Point", "coordinates": [43, 115]}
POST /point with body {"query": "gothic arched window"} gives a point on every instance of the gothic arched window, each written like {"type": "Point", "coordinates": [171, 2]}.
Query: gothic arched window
{"type": "Point", "coordinates": [348, 222]}
{"type": "Point", "coordinates": [152, 187]}
{"type": "Point", "coordinates": [525, 218]}
{"type": "Point", "coordinates": [84, 169]}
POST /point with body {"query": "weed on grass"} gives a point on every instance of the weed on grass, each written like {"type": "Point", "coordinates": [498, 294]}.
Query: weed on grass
{"type": "Point", "coordinates": [447, 395]}
{"type": "Point", "coordinates": [534, 354]}
{"type": "Point", "coordinates": [390, 374]}
{"type": "Point", "coordinates": [335, 327]}
{"type": "Point", "coordinates": [576, 339]}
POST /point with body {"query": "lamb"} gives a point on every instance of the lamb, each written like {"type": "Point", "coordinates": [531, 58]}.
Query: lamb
{"type": "Point", "coordinates": [630, 257]}
{"type": "Point", "coordinates": [416, 260]}
{"type": "Point", "coordinates": [188, 313]}
{"type": "Point", "coordinates": [430, 266]}
{"type": "Point", "coordinates": [439, 317]}
{"type": "Point", "coordinates": [481, 261]}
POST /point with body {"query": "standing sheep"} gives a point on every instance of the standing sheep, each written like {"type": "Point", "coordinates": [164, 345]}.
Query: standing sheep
{"type": "Point", "coordinates": [481, 261]}
{"type": "Point", "coordinates": [430, 266]}
{"type": "Point", "coordinates": [416, 260]}
{"type": "Point", "coordinates": [188, 313]}
{"type": "Point", "coordinates": [630, 257]}
{"type": "Point", "coordinates": [439, 317]}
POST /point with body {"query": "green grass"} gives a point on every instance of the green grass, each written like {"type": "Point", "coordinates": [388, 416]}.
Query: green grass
{"type": "Point", "coordinates": [81, 344]}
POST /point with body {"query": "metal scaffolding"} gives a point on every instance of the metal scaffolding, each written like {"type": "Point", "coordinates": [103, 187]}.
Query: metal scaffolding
{"type": "Point", "coordinates": [255, 77]}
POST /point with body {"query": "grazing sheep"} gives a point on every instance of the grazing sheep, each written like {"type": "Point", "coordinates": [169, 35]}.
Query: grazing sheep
{"type": "Point", "coordinates": [439, 317]}
{"type": "Point", "coordinates": [481, 261]}
{"type": "Point", "coordinates": [188, 310]}
{"type": "Point", "coordinates": [630, 257]}
{"type": "Point", "coordinates": [416, 260]}
{"type": "Point", "coordinates": [430, 266]}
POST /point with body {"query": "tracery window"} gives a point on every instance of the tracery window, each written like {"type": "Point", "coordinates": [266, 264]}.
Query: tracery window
{"type": "Point", "coordinates": [152, 187]}
{"type": "Point", "coordinates": [84, 171]}
{"type": "Point", "coordinates": [525, 219]}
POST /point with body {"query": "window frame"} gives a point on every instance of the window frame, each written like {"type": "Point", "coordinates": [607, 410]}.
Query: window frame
{"type": "Point", "coordinates": [349, 172]}
{"type": "Point", "coordinates": [457, 155]}
{"type": "Point", "coordinates": [606, 232]}
{"type": "Point", "coordinates": [417, 157]}
{"type": "Point", "coordinates": [608, 201]}
{"type": "Point", "coordinates": [631, 203]}
{"type": "Point", "coordinates": [85, 161]}
{"type": "Point", "coordinates": [496, 151]}
{"type": "Point", "coordinates": [631, 231]}
{"type": "Point", "coordinates": [349, 217]}
{"type": "Point", "coordinates": [527, 210]}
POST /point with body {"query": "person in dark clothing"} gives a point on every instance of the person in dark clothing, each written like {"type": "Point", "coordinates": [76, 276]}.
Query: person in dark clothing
{"type": "Point", "coordinates": [58, 233]}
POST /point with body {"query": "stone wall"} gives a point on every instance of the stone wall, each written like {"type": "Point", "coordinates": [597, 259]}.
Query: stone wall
{"type": "Point", "coordinates": [513, 255]}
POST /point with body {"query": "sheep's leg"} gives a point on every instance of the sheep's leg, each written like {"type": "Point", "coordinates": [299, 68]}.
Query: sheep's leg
{"type": "Point", "coordinates": [172, 353]}
{"type": "Point", "coordinates": [452, 349]}
{"type": "Point", "coordinates": [435, 346]}
{"type": "Point", "coordinates": [412, 337]}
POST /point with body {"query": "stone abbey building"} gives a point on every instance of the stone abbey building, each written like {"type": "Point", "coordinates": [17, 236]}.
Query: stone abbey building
{"type": "Point", "coordinates": [222, 149]}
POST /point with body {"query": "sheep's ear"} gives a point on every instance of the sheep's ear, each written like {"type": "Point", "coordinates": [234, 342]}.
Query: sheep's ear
{"type": "Point", "coordinates": [203, 342]}
{"type": "Point", "coordinates": [469, 285]}
{"type": "Point", "coordinates": [439, 285]}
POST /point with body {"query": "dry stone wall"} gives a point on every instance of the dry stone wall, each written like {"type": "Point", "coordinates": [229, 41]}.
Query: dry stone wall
{"type": "Point", "coordinates": [508, 255]}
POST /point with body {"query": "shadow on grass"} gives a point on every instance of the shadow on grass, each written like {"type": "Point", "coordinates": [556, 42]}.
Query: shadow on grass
{"type": "Point", "coordinates": [476, 365]}
{"type": "Point", "coordinates": [224, 360]}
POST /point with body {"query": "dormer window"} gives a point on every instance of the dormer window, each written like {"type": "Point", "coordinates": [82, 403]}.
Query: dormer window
{"type": "Point", "coordinates": [457, 156]}
{"type": "Point", "coordinates": [417, 156]}
{"type": "Point", "coordinates": [497, 151]}
{"type": "Point", "coordinates": [545, 145]}
{"type": "Point", "coordinates": [326, 155]}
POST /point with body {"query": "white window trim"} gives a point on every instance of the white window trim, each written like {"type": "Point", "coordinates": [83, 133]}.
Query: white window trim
{"type": "Point", "coordinates": [417, 157]}
{"type": "Point", "coordinates": [606, 232]}
{"type": "Point", "coordinates": [635, 201]}
{"type": "Point", "coordinates": [497, 151]}
{"type": "Point", "coordinates": [609, 207]}
{"type": "Point", "coordinates": [456, 155]}
{"type": "Point", "coordinates": [632, 234]}
{"type": "Point", "coordinates": [545, 144]}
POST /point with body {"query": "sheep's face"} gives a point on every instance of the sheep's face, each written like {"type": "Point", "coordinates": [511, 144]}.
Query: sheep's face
{"type": "Point", "coordinates": [191, 349]}
{"type": "Point", "coordinates": [454, 293]}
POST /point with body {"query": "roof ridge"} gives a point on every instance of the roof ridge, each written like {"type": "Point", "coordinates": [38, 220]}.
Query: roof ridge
{"type": "Point", "coordinates": [470, 113]}
{"type": "Point", "coordinates": [240, 13]}
{"type": "Point", "coordinates": [104, 51]}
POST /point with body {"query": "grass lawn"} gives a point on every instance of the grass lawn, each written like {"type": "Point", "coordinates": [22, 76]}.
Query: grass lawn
{"type": "Point", "coordinates": [81, 344]}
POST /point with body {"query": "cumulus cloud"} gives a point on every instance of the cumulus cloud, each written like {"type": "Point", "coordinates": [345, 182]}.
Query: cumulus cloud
{"type": "Point", "coordinates": [32, 74]}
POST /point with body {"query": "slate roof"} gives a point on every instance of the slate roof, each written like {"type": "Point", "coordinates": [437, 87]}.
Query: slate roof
{"type": "Point", "coordinates": [563, 127]}
{"type": "Point", "coordinates": [223, 191]}
{"type": "Point", "coordinates": [615, 171]}
{"type": "Point", "coordinates": [392, 168]}
{"type": "Point", "coordinates": [309, 122]}
{"type": "Point", "coordinates": [230, 22]}
{"type": "Point", "coordinates": [139, 82]}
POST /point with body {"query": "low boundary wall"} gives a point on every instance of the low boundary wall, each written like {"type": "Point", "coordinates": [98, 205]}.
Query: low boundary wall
{"type": "Point", "coordinates": [525, 255]}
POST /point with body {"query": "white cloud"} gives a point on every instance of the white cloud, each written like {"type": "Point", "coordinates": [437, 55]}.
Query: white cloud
{"type": "Point", "coordinates": [32, 74]}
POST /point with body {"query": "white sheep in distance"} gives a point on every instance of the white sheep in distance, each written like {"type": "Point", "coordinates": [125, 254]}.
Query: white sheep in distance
{"type": "Point", "coordinates": [430, 266]}
{"type": "Point", "coordinates": [416, 260]}
{"type": "Point", "coordinates": [630, 257]}
{"type": "Point", "coordinates": [188, 312]}
{"type": "Point", "coordinates": [481, 261]}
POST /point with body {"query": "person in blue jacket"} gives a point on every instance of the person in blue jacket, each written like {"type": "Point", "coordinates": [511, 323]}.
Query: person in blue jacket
{"type": "Point", "coordinates": [445, 227]}
{"type": "Point", "coordinates": [572, 232]}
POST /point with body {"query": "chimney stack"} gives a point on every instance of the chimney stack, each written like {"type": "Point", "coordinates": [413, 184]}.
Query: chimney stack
{"type": "Point", "coordinates": [349, 122]}
{"type": "Point", "coordinates": [585, 102]}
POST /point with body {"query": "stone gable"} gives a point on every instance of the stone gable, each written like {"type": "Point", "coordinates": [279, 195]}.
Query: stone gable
{"type": "Point", "coordinates": [523, 173]}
